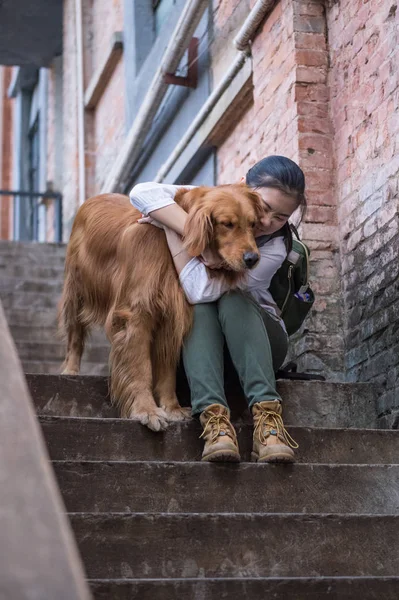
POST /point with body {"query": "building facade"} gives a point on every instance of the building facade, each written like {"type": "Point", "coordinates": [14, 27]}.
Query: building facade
{"type": "Point", "coordinates": [128, 96]}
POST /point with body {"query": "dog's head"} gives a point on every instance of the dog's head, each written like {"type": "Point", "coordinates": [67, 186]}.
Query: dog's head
{"type": "Point", "coordinates": [223, 218]}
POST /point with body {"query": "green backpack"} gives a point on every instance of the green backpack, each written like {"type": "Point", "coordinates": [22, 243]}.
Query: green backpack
{"type": "Point", "coordinates": [290, 284]}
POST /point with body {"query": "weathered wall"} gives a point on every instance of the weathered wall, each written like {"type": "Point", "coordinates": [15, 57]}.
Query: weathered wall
{"type": "Point", "coordinates": [290, 116]}
{"type": "Point", "coordinates": [104, 125]}
{"type": "Point", "coordinates": [70, 123]}
{"type": "Point", "coordinates": [325, 93]}
{"type": "Point", "coordinates": [364, 83]}
{"type": "Point", "coordinates": [109, 115]}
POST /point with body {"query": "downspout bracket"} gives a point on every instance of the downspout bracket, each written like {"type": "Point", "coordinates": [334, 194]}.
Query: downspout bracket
{"type": "Point", "coordinates": [191, 79]}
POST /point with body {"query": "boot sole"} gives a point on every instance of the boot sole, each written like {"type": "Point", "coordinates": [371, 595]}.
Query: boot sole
{"type": "Point", "coordinates": [222, 456]}
{"type": "Point", "coordinates": [274, 458]}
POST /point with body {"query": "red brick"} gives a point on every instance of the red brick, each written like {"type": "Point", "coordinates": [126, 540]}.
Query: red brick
{"type": "Point", "coordinates": [309, 24]}
{"type": "Point", "coordinates": [315, 124]}
{"type": "Point", "coordinates": [310, 41]}
{"type": "Point", "coordinates": [315, 141]}
{"type": "Point", "coordinates": [313, 9]}
{"type": "Point", "coordinates": [311, 93]}
{"type": "Point", "coordinates": [311, 58]}
{"type": "Point", "coordinates": [311, 74]}
{"type": "Point", "coordinates": [313, 109]}
{"type": "Point", "coordinates": [315, 159]}
{"type": "Point", "coordinates": [321, 214]}
{"type": "Point", "coordinates": [320, 198]}
{"type": "Point", "coordinates": [319, 180]}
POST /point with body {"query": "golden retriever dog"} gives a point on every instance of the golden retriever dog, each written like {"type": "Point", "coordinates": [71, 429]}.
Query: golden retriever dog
{"type": "Point", "coordinates": [120, 274]}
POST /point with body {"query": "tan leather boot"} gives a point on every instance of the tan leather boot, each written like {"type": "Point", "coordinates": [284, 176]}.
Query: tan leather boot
{"type": "Point", "coordinates": [219, 435]}
{"type": "Point", "coordinates": [272, 443]}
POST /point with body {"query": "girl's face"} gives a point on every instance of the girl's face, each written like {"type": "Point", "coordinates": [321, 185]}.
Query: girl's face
{"type": "Point", "coordinates": [278, 209]}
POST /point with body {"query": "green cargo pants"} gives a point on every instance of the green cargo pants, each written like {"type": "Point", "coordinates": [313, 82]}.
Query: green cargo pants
{"type": "Point", "coordinates": [255, 340]}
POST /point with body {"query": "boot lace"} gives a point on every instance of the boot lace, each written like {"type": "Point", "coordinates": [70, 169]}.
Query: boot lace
{"type": "Point", "coordinates": [216, 424]}
{"type": "Point", "coordinates": [268, 421]}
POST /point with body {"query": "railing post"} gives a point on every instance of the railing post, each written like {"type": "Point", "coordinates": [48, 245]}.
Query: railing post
{"type": "Point", "coordinates": [39, 558]}
{"type": "Point", "coordinates": [58, 218]}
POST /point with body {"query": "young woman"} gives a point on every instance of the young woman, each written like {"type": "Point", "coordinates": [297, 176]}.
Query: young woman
{"type": "Point", "coordinates": [248, 320]}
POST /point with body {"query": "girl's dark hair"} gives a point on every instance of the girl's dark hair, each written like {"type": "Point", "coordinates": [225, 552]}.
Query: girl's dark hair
{"type": "Point", "coordinates": [282, 174]}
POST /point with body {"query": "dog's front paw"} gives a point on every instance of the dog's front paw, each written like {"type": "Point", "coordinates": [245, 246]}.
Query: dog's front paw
{"type": "Point", "coordinates": [178, 413]}
{"type": "Point", "coordinates": [67, 371]}
{"type": "Point", "coordinates": [155, 419]}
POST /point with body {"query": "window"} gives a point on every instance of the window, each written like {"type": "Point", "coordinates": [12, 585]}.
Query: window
{"type": "Point", "coordinates": [161, 10]}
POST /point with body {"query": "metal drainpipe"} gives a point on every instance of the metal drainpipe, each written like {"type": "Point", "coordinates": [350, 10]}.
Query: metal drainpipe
{"type": "Point", "coordinates": [241, 41]}
{"type": "Point", "coordinates": [206, 109]}
{"type": "Point", "coordinates": [183, 32]}
{"type": "Point", "coordinates": [252, 23]}
{"type": "Point", "coordinates": [80, 101]}
{"type": "Point", "coordinates": [2, 76]}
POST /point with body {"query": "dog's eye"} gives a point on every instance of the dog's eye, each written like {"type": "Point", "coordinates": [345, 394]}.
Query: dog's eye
{"type": "Point", "coordinates": [229, 225]}
{"type": "Point", "coordinates": [252, 225]}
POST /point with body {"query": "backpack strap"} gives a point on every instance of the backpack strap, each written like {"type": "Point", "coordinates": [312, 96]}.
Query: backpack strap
{"type": "Point", "coordinates": [262, 240]}
{"type": "Point", "coordinates": [284, 232]}
{"type": "Point", "coordinates": [295, 231]}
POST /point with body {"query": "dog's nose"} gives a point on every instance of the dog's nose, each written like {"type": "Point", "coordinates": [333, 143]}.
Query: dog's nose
{"type": "Point", "coordinates": [250, 259]}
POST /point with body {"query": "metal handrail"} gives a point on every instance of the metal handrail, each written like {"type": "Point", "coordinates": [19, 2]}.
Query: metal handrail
{"type": "Point", "coordinates": [56, 197]}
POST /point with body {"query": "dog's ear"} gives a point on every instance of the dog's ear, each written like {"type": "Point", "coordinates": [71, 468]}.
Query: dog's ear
{"type": "Point", "coordinates": [256, 202]}
{"type": "Point", "coordinates": [198, 229]}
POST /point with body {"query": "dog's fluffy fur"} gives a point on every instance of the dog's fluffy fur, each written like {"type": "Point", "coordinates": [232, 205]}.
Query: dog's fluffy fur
{"type": "Point", "coordinates": [120, 274]}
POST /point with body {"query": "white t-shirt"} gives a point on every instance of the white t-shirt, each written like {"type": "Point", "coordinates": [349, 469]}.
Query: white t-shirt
{"type": "Point", "coordinates": [194, 278]}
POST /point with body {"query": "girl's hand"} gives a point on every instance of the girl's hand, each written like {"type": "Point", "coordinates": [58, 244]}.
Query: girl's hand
{"type": "Point", "coordinates": [150, 221]}
{"type": "Point", "coordinates": [211, 259]}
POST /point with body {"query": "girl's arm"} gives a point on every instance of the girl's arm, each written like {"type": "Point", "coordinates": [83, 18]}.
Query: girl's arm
{"type": "Point", "coordinates": [194, 279]}
{"type": "Point", "coordinates": [172, 216]}
{"type": "Point", "coordinates": [179, 254]}
{"type": "Point", "coordinates": [157, 200]}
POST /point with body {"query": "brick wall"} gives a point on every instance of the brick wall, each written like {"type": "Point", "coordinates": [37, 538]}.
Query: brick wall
{"type": "Point", "coordinates": [290, 116]}
{"type": "Point", "coordinates": [104, 126]}
{"type": "Point", "coordinates": [325, 93]}
{"type": "Point", "coordinates": [364, 82]}
{"type": "Point", "coordinates": [6, 154]}
{"type": "Point", "coordinates": [108, 127]}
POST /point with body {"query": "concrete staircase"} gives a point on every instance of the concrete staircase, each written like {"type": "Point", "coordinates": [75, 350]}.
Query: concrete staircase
{"type": "Point", "coordinates": [31, 278]}
{"type": "Point", "coordinates": [152, 522]}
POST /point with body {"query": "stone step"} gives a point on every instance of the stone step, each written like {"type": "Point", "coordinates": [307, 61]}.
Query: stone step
{"type": "Point", "coordinates": [306, 403]}
{"type": "Point", "coordinates": [241, 545]}
{"type": "Point", "coordinates": [31, 300]}
{"type": "Point", "coordinates": [32, 259]}
{"type": "Point", "coordinates": [70, 438]}
{"type": "Point", "coordinates": [14, 285]}
{"type": "Point", "coordinates": [40, 367]}
{"type": "Point", "coordinates": [8, 248]}
{"type": "Point", "coordinates": [43, 334]}
{"type": "Point", "coordinates": [39, 270]}
{"type": "Point", "coordinates": [48, 351]}
{"type": "Point", "coordinates": [275, 588]}
{"type": "Point", "coordinates": [21, 317]}
{"type": "Point", "coordinates": [183, 487]}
